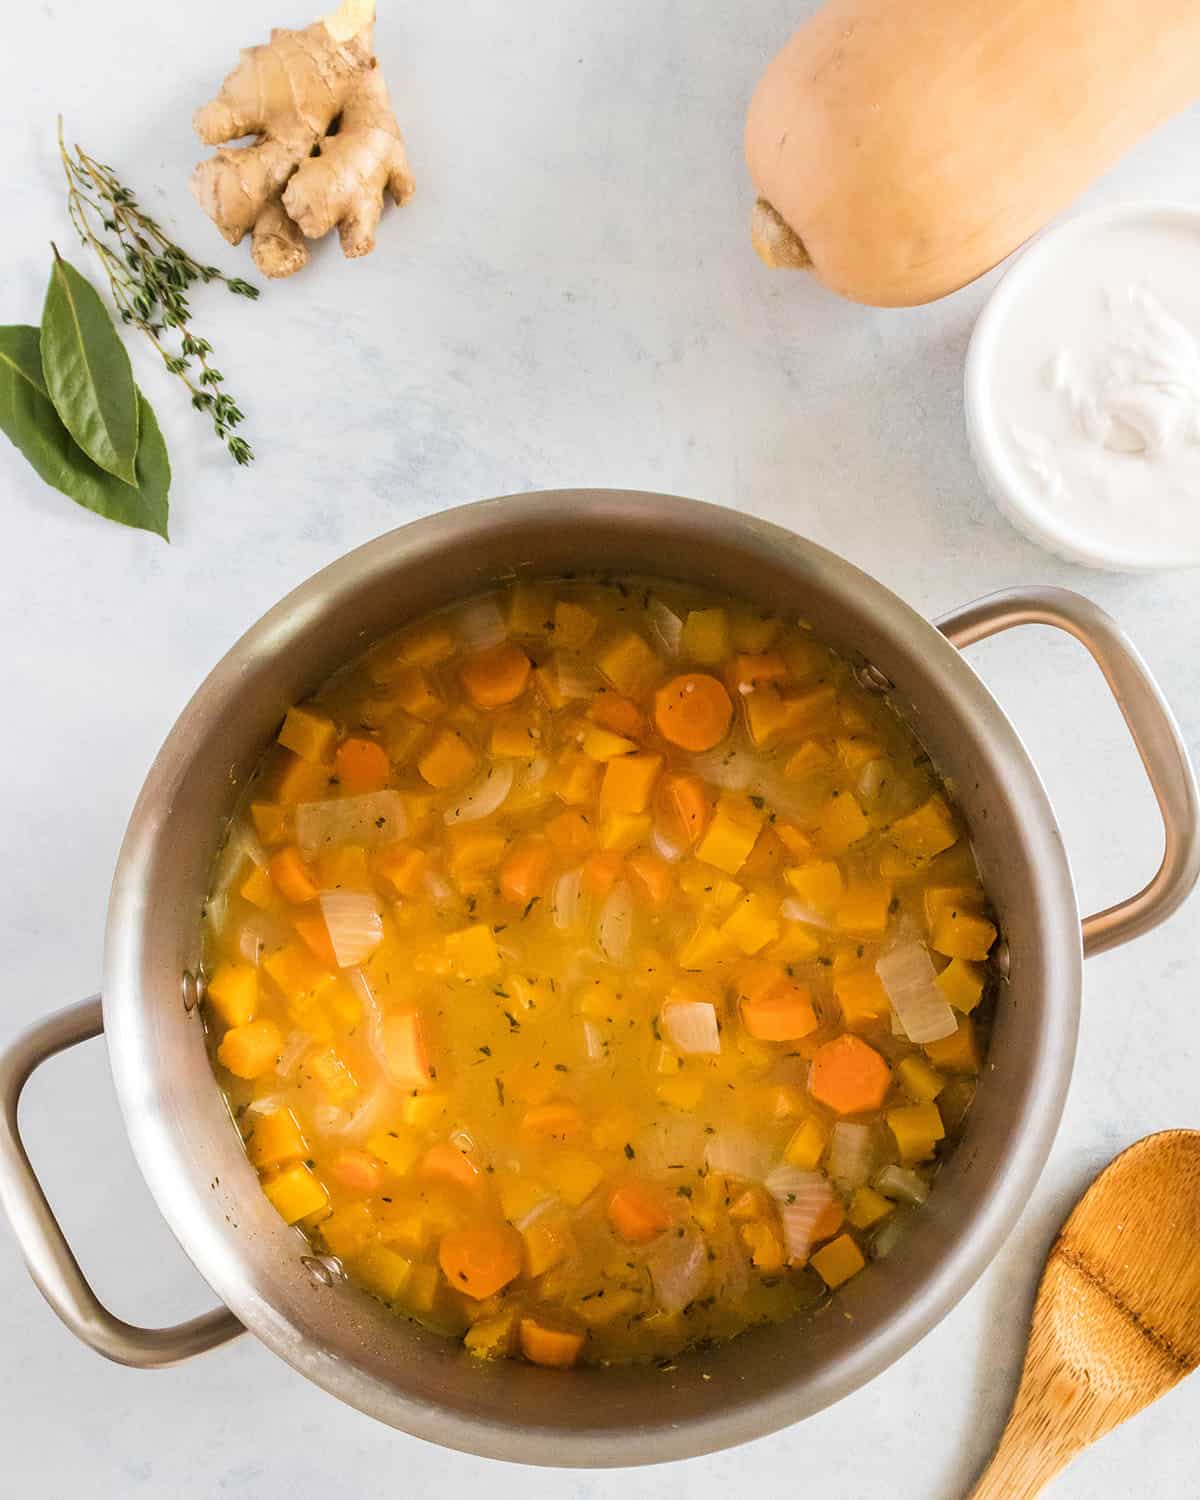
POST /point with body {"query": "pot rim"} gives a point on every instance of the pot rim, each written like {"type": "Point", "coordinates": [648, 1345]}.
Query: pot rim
{"type": "Point", "coordinates": [157, 1147]}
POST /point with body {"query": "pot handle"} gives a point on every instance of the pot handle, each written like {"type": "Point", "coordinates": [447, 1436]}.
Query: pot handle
{"type": "Point", "coordinates": [43, 1244]}
{"type": "Point", "coordinates": [1155, 734]}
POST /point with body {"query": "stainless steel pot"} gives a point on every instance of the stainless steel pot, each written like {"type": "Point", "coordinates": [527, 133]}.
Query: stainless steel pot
{"type": "Point", "coordinates": [346, 1342]}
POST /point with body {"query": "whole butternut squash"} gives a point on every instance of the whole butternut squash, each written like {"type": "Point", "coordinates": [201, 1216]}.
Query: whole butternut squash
{"type": "Point", "coordinates": [901, 148]}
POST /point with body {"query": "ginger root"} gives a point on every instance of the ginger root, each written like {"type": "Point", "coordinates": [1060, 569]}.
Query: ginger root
{"type": "Point", "coordinates": [327, 144]}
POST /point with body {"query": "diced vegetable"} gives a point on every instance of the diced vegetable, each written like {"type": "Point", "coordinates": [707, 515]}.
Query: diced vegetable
{"type": "Point", "coordinates": [308, 734]}
{"type": "Point", "coordinates": [638, 1212]}
{"type": "Point", "coordinates": [679, 1270]}
{"type": "Point", "coordinates": [962, 984]}
{"type": "Point", "coordinates": [732, 834]}
{"type": "Point", "coordinates": [485, 795]}
{"type": "Point", "coordinates": [802, 1199]}
{"type": "Point", "coordinates": [908, 976]}
{"type": "Point", "coordinates": [497, 675]}
{"type": "Point", "coordinates": [691, 1026]}
{"type": "Point", "coordinates": [275, 1140]}
{"type": "Point", "coordinates": [448, 761]}
{"type": "Point", "coordinates": [354, 923]}
{"type": "Point", "coordinates": [783, 1014]}
{"type": "Point", "coordinates": [927, 831]}
{"type": "Point", "coordinates": [917, 1128]}
{"type": "Point", "coordinates": [402, 1043]}
{"type": "Point", "coordinates": [232, 991]}
{"type": "Point", "coordinates": [543, 1344]}
{"type": "Point", "coordinates": [958, 1053]}
{"type": "Point", "coordinates": [480, 1260]}
{"type": "Point", "coordinates": [295, 1193]}
{"type": "Point", "coordinates": [249, 1051]}
{"type": "Point", "coordinates": [628, 782]}
{"type": "Point", "coordinates": [371, 821]}
{"type": "Point", "coordinates": [848, 1076]}
{"type": "Point", "coordinates": [851, 1154]}
{"type": "Point", "coordinates": [693, 711]}
{"type": "Point", "coordinates": [838, 1261]}
{"type": "Point", "coordinates": [961, 934]}
{"type": "Point", "coordinates": [902, 1185]}
{"type": "Point", "coordinates": [362, 765]}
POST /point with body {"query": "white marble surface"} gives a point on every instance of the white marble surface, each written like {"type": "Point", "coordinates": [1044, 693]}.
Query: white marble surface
{"type": "Point", "coordinates": [570, 298]}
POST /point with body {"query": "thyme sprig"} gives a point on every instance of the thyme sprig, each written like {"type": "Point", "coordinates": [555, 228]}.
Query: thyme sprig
{"type": "Point", "coordinates": [149, 275]}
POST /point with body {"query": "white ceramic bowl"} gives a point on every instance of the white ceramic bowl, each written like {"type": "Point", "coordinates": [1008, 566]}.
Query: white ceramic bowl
{"type": "Point", "coordinates": [1011, 488]}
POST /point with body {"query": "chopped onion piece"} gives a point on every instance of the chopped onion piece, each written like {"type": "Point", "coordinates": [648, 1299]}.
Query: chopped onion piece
{"type": "Point", "coordinates": [908, 976]}
{"type": "Point", "coordinates": [595, 1044]}
{"type": "Point", "coordinates": [737, 1154]}
{"type": "Point", "coordinates": [534, 772]}
{"type": "Point", "coordinates": [374, 819]}
{"type": "Point", "coordinates": [439, 890]}
{"type": "Point", "coordinates": [664, 848]}
{"type": "Point", "coordinates": [802, 1198]}
{"type": "Point", "coordinates": [577, 678]}
{"type": "Point", "coordinates": [669, 1143]}
{"type": "Point", "coordinates": [679, 1269]}
{"type": "Point", "coordinates": [260, 934]}
{"type": "Point", "coordinates": [729, 767]}
{"type": "Point", "coordinates": [295, 1045]}
{"type": "Point", "coordinates": [692, 1026]}
{"type": "Point", "coordinates": [354, 924]}
{"type": "Point", "coordinates": [358, 1121]}
{"type": "Point", "coordinates": [484, 796]}
{"type": "Point", "coordinates": [480, 625]}
{"type": "Point", "coordinates": [668, 627]}
{"type": "Point", "coordinates": [851, 1155]}
{"type": "Point", "coordinates": [902, 1183]}
{"type": "Point", "coordinates": [615, 927]}
{"type": "Point", "coordinates": [792, 910]}
{"type": "Point", "coordinates": [567, 899]}
{"type": "Point", "coordinates": [267, 1104]}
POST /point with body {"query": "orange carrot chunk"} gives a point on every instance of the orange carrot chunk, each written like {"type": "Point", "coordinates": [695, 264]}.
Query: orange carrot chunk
{"type": "Point", "coordinates": [652, 877]}
{"type": "Point", "coordinates": [497, 676]}
{"type": "Point", "coordinates": [315, 934]}
{"type": "Point", "coordinates": [612, 711]}
{"type": "Point", "coordinates": [357, 1170]}
{"type": "Point", "coordinates": [446, 1161]}
{"type": "Point", "coordinates": [637, 1211]}
{"type": "Point", "coordinates": [600, 872]}
{"type": "Point", "coordinates": [543, 1345]}
{"type": "Point", "coordinates": [693, 711]}
{"type": "Point", "coordinates": [848, 1076]}
{"type": "Point", "coordinates": [684, 808]}
{"type": "Point", "coordinates": [524, 873]}
{"type": "Point", "coordinates": [481, 1259]}
{"type": "Point", "coordinates": [292, 878]}
{"type": "Point", "coordinates": [361, 765]}
{"type": "Point", "coordinates": [783, 1014]}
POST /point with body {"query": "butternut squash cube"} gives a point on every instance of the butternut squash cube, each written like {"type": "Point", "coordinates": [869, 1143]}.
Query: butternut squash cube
{"type": "Point", "coordinates": [629, 664]}
{"type": "Point", "coordinates": [472, 952]}
{"type": "Point", "coordinates": [706, 636]}
{"type": "Point", "coordinates": [516, 735]}
{"type": "Point", "coordinates": [400, 734]}
{"type": "Point", "coordinates": [531, 608]}
{"type": "Point", "coordinates": [275, 1139]}
{"type": "Point", "coordinates": [398, 1150]}
{"type": "Point", "coordinates": [628, 782]}
{"type": "Point", "coordinates": [919, 1081]}
{"type": "Point", "coordinates": [836, 1262]}
{"type": "Point", "coordinates": [752, 632]}
{"type": "Point", "coordinates": [707, 946]}
{"type": "Point", "coordinates": [270, 822]}
{"type": "Point", "coordinates": [574, 626]}
{"type": "Point", "coordinates": [414, 693]}
{"type": "Point", "coordinates": [295, 1193]}
{"type": "Point", "coordinates": [403, 866]}
{"type": "Point", "coordinates": [233, 993]}
{"type": "Point", "coordinates": [578, 779]}
{"type": "Point", "coordinates": [752, 924]}
{"type": "Point", "coordinates": [962, 984]}
{"type": "Point", "coordinates": [861, 998]}
{"type": "Point", "coordinates": [732, 833]}
{"type": "Point", "coordinates": [249, 1051]}
{"type": "Point", "coordinates": [448, 761]}
{"type": "Point", "coordinates": [863, 909]}
{"type": "Point", "coordinates": [383, 1271]}
{"type": "Point", "coordinates": [308, 734]}
{"type": "Point", "coordinates": [960, 934]}
{"type": "Point", "coordinates": [927, 831]}
{"type": "Point", "coordinates": [257, 888]}
{"type": "Point", "coordinates": [808, 760]}
{"type": "Point", "coordinates": [917, 1129]}
{"type": "Point", "coordinates": [494, 1337]}
{"type": "Point", "coordinates": [842, 823]}
{"type": "Point", "coordinates": [807, 1144]}
{"type": "Point", "coordinates": [547, 1241]}
{"type": "Point", "coordinates": [602, 744]}
{"type": "Point", "coordinates": [574, 1176]}
{"type": "Point", "coordinates": [473, 854]}
{"type": "Point", "coordinates": [867, 1208]}
{"type": "Point", "coordinates": [762, 1239]}
{"type": "Point", "coordinates": [819, 884]}
{"type": "Point", "coordinates": [958, 1053]}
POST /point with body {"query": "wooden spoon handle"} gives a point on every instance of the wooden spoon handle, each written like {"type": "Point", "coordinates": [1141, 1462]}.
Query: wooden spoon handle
{"type": "Point", "coordinates": [1023, 1463]}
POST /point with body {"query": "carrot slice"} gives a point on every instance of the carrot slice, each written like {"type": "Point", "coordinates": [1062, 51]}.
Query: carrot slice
{"type": "Point", "coordinates": [621, 715]}
{"type": "Point", "coordinates": [497, 676]}
{"type": "Point", "coordinates": [481, 1258]}
{"type": "Point", "coordinates": [829, 1221]}
{"type": "Point", "coordinates": [445, 1160]}
{"type": "Point", "coordinates": [848, 1076]}
{"type": "Point", "coordinates": [693, 711]}
{"type": "Point", "coordinates": [556, 1120]}
{"type": "Point", "coordinates": [600, 871]}
{"type": "Point", "coordinates": [357, 1170]}
{"type": "Point", "coordinates": [291, 877]}
{"type": "Point", "coordinates": [361, 765]}
{"type": "Point", "coordinates": [784, 1014]}
{"type": "Point", "coordinates": [524, 873]}
{"type": "Point", "coordinates": [316, 938]}
{"type": "Point", "coordinates": [543, 1345]}
{"type": "Point", "coordinates": [684, 807]}
{"type": "Point", "coordinates": [637, 1212]}
{"type": "Point", "coordinates": [652, 876]}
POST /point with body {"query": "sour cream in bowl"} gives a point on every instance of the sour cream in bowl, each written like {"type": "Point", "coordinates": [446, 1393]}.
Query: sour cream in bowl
{"type": "Point", "coordinates": [1083, 389]}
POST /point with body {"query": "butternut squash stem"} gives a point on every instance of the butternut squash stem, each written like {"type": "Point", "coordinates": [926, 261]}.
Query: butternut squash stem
{"type": "Point", "coordinates": [777, 244]}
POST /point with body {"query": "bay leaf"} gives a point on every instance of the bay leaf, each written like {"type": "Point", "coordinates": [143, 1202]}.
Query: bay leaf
{"type": "Point", "coordinates": [87, 372]}
{"type": "Point", "coordinates": [29, 420]}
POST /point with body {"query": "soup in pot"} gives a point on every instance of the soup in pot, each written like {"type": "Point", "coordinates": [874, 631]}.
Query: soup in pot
{"type": "Point", "coordinates": [596, 969]}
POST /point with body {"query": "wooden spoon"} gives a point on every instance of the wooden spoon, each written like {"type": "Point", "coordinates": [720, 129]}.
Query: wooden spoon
{"type": "Point", "coordinates": [1117, 1317]}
